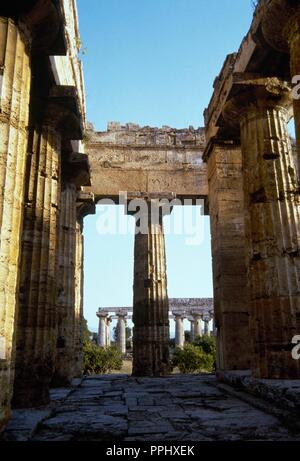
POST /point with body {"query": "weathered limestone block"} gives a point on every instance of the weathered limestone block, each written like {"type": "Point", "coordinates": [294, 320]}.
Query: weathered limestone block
{"type": "Point", "coordinates": [37, 319]}
{"type": "Point", "coordinates": [226, 206]}
{"type": "Point", "coordinates": [150, 301]}
{"type": "Point", "coordinates": [272, 225]}
{"type": "Point", "coordinates": [64, 362]}
{"type": "Point", "coordinates": [153, 160]}
{"type": "Point", "coordinates": [15, 76]}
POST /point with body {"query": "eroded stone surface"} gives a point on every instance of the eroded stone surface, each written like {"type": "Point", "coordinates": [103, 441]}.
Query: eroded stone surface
{"type": "Point", "coordinates": [146, 159]}
{"type": "Point", "coordinates": [182, 408]}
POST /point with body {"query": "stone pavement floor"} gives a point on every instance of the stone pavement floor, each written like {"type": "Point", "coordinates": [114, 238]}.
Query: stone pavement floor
{"type": "Point", "coordinates": [176, 408]}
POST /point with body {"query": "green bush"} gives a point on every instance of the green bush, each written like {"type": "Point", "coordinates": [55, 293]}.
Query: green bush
{"type": "Point", "coordinates": [99, 360]}
{"type": "Point", "coordinates": [190, 359]}
{"type": "Point", "coordinates": [207, 344]}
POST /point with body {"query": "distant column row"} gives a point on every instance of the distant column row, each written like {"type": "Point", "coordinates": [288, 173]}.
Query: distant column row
{"type": "Point", "coordinates": [196, 329]}
{"type": "Point", "coordinates": [104, 332]}
{"type": "Point", "coordinates": [199, 326]}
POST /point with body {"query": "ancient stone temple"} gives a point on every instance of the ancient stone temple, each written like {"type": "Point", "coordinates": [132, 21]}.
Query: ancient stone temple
{"type": "Point", "coordinates": [242, 167]}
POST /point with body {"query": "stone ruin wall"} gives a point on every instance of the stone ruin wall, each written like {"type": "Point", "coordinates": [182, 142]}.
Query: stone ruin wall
{"type": "Point", "coordinates": [148, 160]}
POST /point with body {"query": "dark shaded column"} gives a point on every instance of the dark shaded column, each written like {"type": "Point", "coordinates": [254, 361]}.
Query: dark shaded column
{"type": "Point", "coordinates": [65, 301]}
{"type": "Point", "coordinates": [75, 174]}
{"type": "Point", "coordinates": [36, 333]}
{"type": "Point", "coordinates": [52, 126]}
{"type": "Point", "coordinates": [150, 301]}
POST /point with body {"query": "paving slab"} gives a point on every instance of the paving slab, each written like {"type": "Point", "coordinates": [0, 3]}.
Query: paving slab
{"type": "Point", "coordinates": [175, 408]}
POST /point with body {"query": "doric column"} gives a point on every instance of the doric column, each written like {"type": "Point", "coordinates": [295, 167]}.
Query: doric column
{"type": "Point", "coordinates": [15, 76]}
{"type": "Point", "coordinates": [179, 330]}
{"type": "Point", "coordinates": [36, 333]}
{"type": "Point", "coordinates": [75, 174]}
{"type": "Point", "coordinates": [108, 323]}
{"type": "Point", "coordinates": [64, 362]}
{"type": "Point", "coordinates": [121, 328]}
{"type": "Point", "coordinates": [272, 223]}
{"type": "Point", "coordinates": [192, 330]}
{"type": "Point", "coordinates": [150, 305]}
{"type": "Point", "coordinates": [102, 315]}
{"type": "Point", "coordinates": [197, 323]}
{"type": "Point", "coordinates": [206, 321]}
{"type": "Point", "coordinates": [281, 29]}
{"type": "Point", "coordinates": [78, 324]}
{"type": "Point", "coordinates": [226, 209]}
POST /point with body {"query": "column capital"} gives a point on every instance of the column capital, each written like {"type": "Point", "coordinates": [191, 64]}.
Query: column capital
{"type": "Point", "coordinates": [196, 315]}
{"type": "Point", "coordinates": [122, 314]}
{"type": "Point", "coordinates": [76, 169]}
{"type": "Point", "coordinates": [256, 93]}
{"type": "Point", "coordinates": [179, 315]}
{"type": "Point", "coordinates": [102, 314]}
{"type": "Point", "coordinates": [85, 205]}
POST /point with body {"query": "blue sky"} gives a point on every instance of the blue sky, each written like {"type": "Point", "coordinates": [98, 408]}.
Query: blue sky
{"type": "Point", "coordinates": [152, 62]}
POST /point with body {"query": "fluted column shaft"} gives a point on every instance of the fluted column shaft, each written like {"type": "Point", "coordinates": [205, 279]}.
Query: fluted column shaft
{"type": "Point", "coordinates": [102, 329]}
{"type": "Point", "coordinates": [15, 76]}
{"type": "Point", "coordinates": [192, 330]}
{"type": "Point", "coordinates": [150, 303]}
{"type": "Point", "coordinates": [108, 323]}
{"type": "Point", "coordinates": [273, 234]}
{"type": "Point", "coordinates": [179, 331]}
{"type": "Point", "coordinates": [197, 327]}
{"type": "Point", "coordinates": [206, 327]}
{"type": "Point", "coordinates": [121, 326]}
{"type": "Point", "coordinates": [78, 321]}
{"type": "Point", "coordinates": [37, 320]}
{"type": "Point", "coordinates": [65, 357]}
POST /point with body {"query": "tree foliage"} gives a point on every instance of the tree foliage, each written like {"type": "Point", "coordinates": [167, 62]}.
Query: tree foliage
{"type": "Point", "coordinates": [190, 359]}
{"type": "Point", "coordinates": [100, 360]}
{"type": "Point", "coordinates": [197, 357]}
